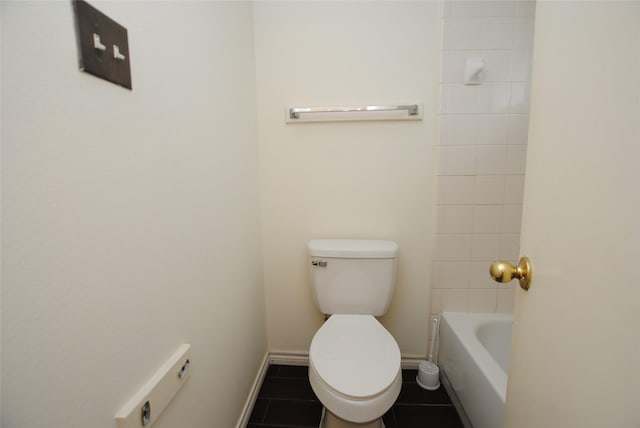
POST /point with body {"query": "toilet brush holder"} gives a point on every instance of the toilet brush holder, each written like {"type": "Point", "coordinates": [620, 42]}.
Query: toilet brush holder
{"type": "Point", "coordinates": [428, 375]}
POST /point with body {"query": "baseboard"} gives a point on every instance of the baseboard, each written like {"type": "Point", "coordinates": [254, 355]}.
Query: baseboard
{"type": "Point", "coordinates": [289, 358]}
{"type": "Point", "coordinates": [253, 393]}
{"type": "Point", "coordinates": [411, 361]}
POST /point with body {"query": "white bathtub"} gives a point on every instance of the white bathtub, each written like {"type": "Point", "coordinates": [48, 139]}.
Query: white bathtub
{"type": "Point", "coordinates": [474, 357]}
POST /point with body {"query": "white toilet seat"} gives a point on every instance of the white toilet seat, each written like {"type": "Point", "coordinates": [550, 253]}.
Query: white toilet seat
{"type": "Point", "coordinates": [354, 367]}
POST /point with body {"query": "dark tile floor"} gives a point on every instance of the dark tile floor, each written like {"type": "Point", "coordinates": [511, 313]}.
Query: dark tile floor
{"type": "Point", "coordinates": [286, 400]}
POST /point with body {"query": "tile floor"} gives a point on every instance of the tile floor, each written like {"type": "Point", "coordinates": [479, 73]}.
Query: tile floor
{"type": "Point", "coordinates": [286, 400]}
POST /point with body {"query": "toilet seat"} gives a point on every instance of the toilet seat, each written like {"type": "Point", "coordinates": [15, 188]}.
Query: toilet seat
{"type": "Point", "coordinates": [354, 367]}
{"type": "Point", "coordinates": [355, 355]}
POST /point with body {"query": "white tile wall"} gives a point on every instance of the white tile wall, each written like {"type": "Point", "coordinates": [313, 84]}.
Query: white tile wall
{"type": "Point", "coordinates": [485, 247]}
{"type": "Point", "coordinates": [451, 274]}
{"type": "Point", "coordinates": [466, 8]}
{"type": "Point", "coordinates": [499, 8]}
{"type": "Point", "coordinates": [487, 219]}
{"type": "Point", "coordinates": [458, 130]}
{"type": "Point", "coordinates": [456, 190]}
{"type": "Point", "coordinates": [523, 32]}
{"type": "Point", "coordinates": [493, 98]}
{"type": "Point", "coordinates": [482, 151]}
{"type": "Point", "coordinates": [457, 160]}
{"type": "Point", "coordinates": [521, 66]}
{"type": "Point", "coordinates": [509, 246]}
{"type": "Point", "coordinates": [504, 301]}
{"type": "Point", "coordinates": [498, 32]}
{"type": "Point", "coordinates": [455, 219]}
{"type": "Point", "coordinates": [489, 190]}
{"type": "Point", "coordinates": [462, 33]}
{"type": "Point", "coordinates": [513, 189]}
{"type": "Point", "coordinates": [491, 160]}
{"type": "Point", "coordinates": [511, 216]}
{"type": "Point", "coordinates": [456, 300]}
{"type": "Point", "coordinates": [519, 100]}
{"type": "Point", "coordinates": [518, 128]}
{"type": "Point", "coordinates": [516, 159]}
{"type": "Point", "coordinates": [525, 8]}
{"type": "Point", "coordinates": [479, 276]}
{"type": "Point", "coordinates": [482, 301]}
{"type": "Point", "coordinates": [493, 129]}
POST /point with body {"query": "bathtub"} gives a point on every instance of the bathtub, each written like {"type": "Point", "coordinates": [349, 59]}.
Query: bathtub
{"type": "Point", "coordinates": [474, 359]}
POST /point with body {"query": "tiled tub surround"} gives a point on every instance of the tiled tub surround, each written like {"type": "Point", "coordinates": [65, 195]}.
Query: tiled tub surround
{"type": "Point", "coordinates": [481, 152]}
{"type": "Point", "coordinates": [287, 400]}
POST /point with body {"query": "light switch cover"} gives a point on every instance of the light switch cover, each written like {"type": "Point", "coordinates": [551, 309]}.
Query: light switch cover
{"type": "Point", "coordinates": [103, 45]}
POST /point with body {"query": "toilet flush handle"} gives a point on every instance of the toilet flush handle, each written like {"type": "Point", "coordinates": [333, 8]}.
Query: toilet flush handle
{"type": "Point", "coordinates": [320, 263]}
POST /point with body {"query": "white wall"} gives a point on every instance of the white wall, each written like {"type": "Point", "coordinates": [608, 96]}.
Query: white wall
{"type": "Point", "coordinates": [130, 220]}
{"type": "Point", "coordinates": [481, 152]}
{"type": "Point", "coordinates": [345, 180]}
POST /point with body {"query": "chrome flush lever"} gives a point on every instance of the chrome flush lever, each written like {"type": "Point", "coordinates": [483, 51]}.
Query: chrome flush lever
{"type": "Point", "coordinates": [320, 263]}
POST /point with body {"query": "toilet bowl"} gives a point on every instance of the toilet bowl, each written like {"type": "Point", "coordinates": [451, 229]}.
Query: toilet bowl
{"type": "Point", "coordinates": [354, 369]}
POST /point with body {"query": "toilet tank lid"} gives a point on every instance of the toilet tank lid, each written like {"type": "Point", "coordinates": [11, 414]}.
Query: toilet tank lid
{"type": "Point", "coordinates": [353, 248]}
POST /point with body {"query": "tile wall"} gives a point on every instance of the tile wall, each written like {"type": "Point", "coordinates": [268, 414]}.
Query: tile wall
{"type": "Point", "coordinates": [481, 152]}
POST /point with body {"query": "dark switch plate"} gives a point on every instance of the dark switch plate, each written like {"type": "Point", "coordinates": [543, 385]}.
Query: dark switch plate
{"type": "Point", "coordinates": [101, 63]}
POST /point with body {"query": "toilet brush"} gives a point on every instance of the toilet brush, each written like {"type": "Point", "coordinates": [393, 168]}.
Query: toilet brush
{"type": "Point", "coordinates": [428, 371]}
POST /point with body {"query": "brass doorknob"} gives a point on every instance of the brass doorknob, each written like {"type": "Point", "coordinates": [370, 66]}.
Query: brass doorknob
{"type": "Point", "coordinates": [502, 272]}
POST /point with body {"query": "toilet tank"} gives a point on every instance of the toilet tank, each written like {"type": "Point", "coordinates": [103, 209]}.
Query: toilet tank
{"type": "Point", "coordinates": [352, 276]}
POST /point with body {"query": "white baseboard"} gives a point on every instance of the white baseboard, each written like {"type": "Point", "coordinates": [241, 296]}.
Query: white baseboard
{"type": "Point", "coordinates": [411, 362]}
{"type": "Point", "coordinates": [289, 358]}
{"type": "Point", "coordinates": [253, 393]}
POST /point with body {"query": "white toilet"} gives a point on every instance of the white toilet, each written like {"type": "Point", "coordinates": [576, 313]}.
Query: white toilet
{"type": "Point", "coordinates": [354, 362]}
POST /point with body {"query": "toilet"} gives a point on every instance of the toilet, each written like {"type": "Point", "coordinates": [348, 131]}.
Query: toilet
{"type": "Point", "coordinates": [354, 362]}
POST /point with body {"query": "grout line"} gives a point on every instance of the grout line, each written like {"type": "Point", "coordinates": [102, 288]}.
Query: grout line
{"type": "Point", "coordinates": [266, 410]}
{"type": "Point", "coordinates": [423, 405]}
{"type": "Point", "coordinates": [393, 416]}
{"type": "Point", "coordinates": [293, 400]}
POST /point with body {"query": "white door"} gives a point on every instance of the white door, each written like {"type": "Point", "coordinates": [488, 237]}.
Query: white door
{"type": "Point", "coordinates": [575, 359]}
